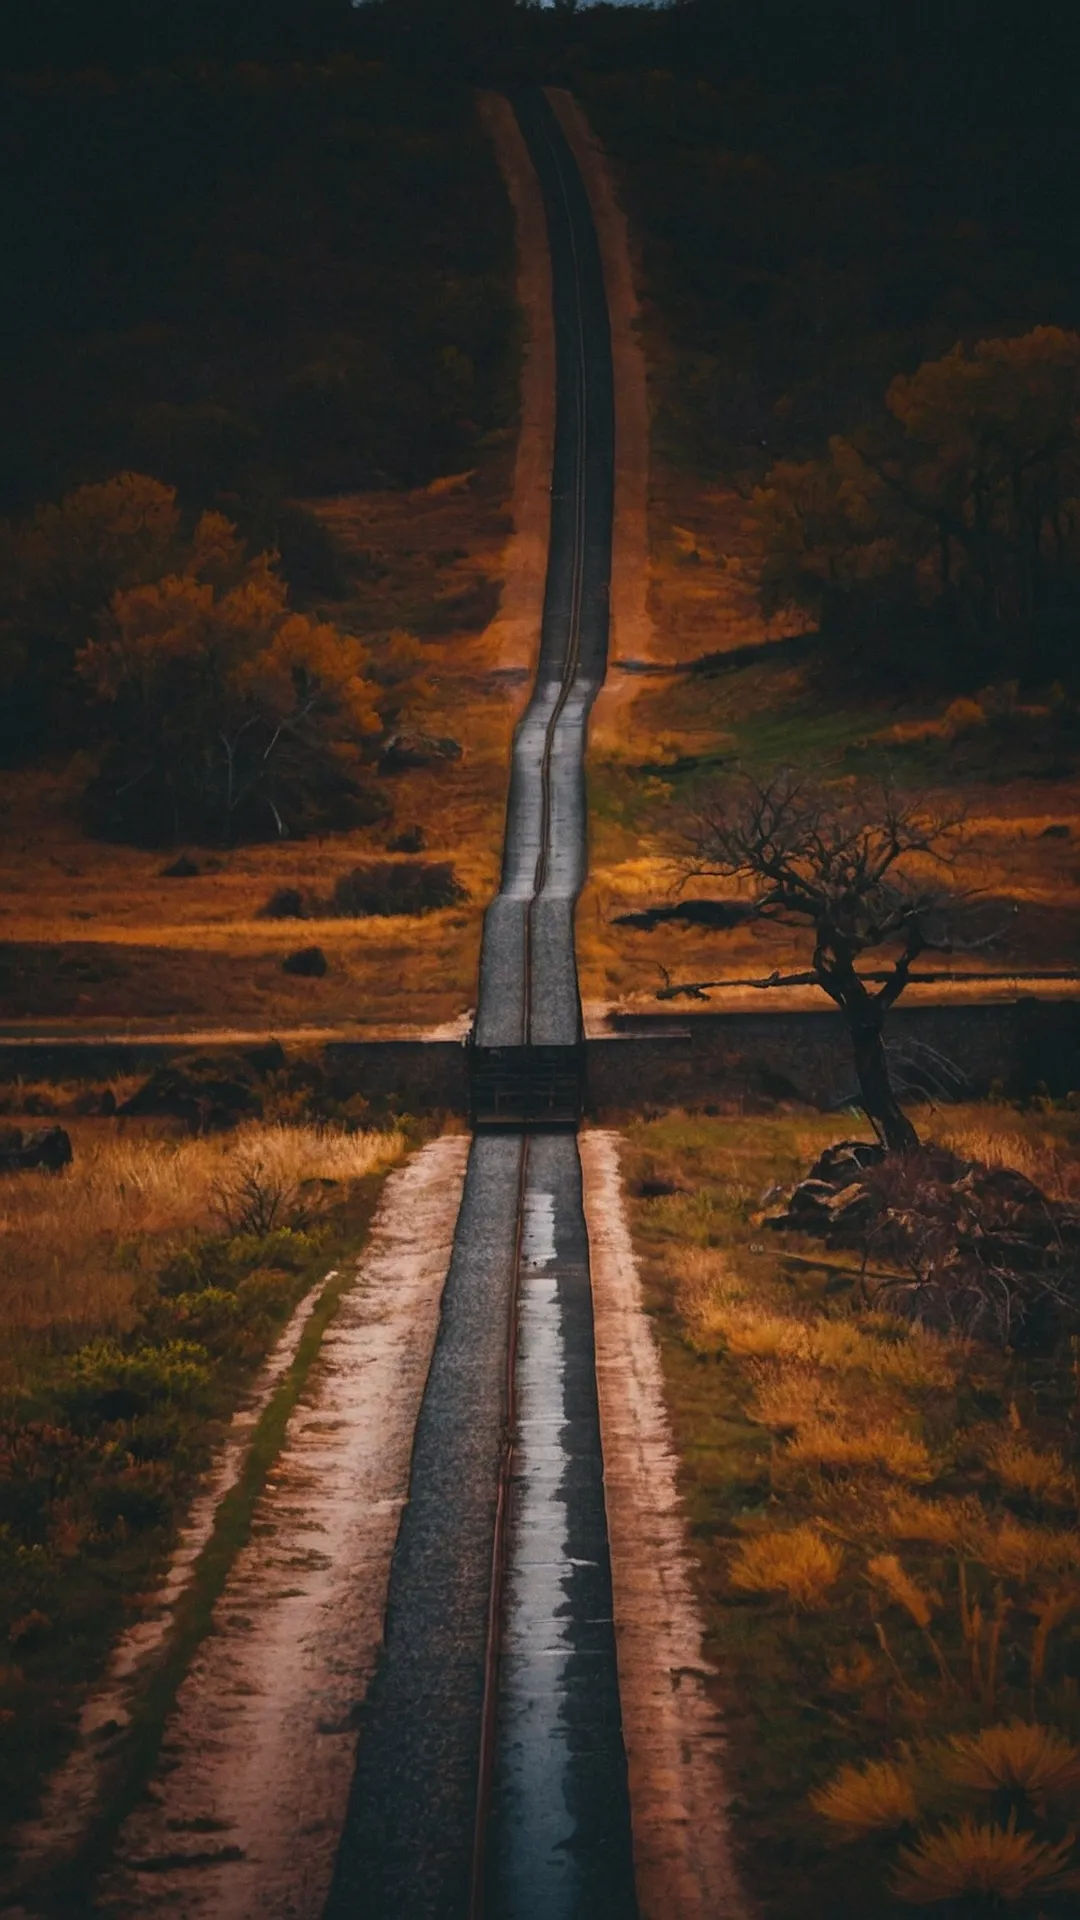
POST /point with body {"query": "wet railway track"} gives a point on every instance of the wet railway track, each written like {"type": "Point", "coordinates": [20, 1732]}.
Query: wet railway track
{"type": "Point", "coordinates": [491, 1774]}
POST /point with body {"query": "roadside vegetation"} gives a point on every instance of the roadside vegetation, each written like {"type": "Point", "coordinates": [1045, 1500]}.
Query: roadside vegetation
{"type": "Point", "coordinates": [258, 400]}
{"type": "Point", "coordinates": [863, 354]}
{"type": "Point", "coordinates": [884, 1516]}
{"type": "Point", "coordinates": [141, 1290]}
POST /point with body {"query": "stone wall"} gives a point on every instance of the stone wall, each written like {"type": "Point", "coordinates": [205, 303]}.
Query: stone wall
{"type": "Point", "coordinates": [957, 1051]}
{"type": "Point", "coordinates": [658, 1062]}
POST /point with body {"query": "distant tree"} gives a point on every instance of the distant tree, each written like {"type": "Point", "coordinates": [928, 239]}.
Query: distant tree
{"type": "Point", "coordinates": [954, 541]}
{"type": "Point", "coordinates": [60, 568]}
{"type": "Point", "coordinates": [864, 875]}
{"type": "Point", "coordinates": [227, 715]}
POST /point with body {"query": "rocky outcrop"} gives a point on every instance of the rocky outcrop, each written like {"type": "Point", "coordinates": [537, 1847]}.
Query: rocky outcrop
{"type": "Point", "coordinates": [44, 1148]}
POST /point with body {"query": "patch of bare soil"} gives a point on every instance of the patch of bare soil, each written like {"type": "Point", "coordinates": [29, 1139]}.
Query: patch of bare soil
{"type": "Point", "coordinates": [632, 636]}
{"type": "Point", "coordinates": [245, 1809]}
{"type": "Point", "coordinates": [678, 1798]}
{"type": "Point", "coordinates": [515, 631]}
{"type": "Point", "coordinates": [703, 586]}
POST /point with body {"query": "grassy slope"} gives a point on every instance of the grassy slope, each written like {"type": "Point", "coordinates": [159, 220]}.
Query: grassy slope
{"type": "Point", "coordinates": [304, 290]}
{"type": "Point", "coordinates": [740, 1316]}
{"type": "Point", "coordinates": [799, 244]}
{"type": "Point", "coordinates": [136, 1324]}
{"type": "Point", "coordinates": [92, 931]}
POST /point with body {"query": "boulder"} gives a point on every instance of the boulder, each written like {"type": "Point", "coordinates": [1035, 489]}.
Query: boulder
{"type": "Point", "coordinates": [44, 1148]}
{"type": "Point", "coordinates": [309, 962]}
{"type": "Point", "coordinates": [208, 1095]}
{"type": "Point", "coordinates": [414, 749]}
{"type": "Point", "coordinates": [287, 903]}
{"type": "Point", "coordinates": [181, 869]}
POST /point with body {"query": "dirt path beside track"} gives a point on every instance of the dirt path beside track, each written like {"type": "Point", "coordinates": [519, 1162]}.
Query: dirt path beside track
{"type": "Point", "coordinates": [631, 623]}
{"type": "Point", "coordinates": [516, 626]}
{"type": "Point", "coordinates": [672, 1730]}
{"type": "Point", "coordinates": [245, 1810]}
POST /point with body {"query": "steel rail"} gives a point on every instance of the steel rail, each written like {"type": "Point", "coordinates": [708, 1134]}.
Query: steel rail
{"type": "Point", "coordinates": [486, 1764]}
{"type": "Point", "coordinates": [426, 1833]}
{"type": "Point", "coordinates": [572, 654]}
{"type": "Point", "coordinates": [568, 675]}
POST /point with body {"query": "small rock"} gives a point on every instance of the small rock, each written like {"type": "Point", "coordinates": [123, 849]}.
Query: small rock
{"type": "Point", "coordinates": [181, 869]}
{"type": "Point", "coordinates": [412, 840]}
{"type": "Point", "coordinates": [310, 962]}
{"type": "Point", "coordinates": [1057, 831]}
{"type": "Point", "coordinates": [415, 749]}
{"type": "Point", "coordinates": [286, 904]}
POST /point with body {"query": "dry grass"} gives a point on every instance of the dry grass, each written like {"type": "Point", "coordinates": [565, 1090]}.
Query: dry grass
{"type": "Point", "coordinates": [718, 1313]}
{"type": "Point", "coordinates": [1038, 1473]}
{"type": "Point", "coordinates": [73, 1246]}
{"type": "Point", "coordinates": [798, 1564]}
{"type": "Point", "coordinates": [702, 602]}
{"type": "Point", "coordinates": [895, 1581]}
{"type": "Point", "coordinates": [972, 1859]}
{"type": "Point", "coordinates": [96, 933]}
{"type": "Point", "coordinates": [1036, 1153]}
{"type": "Point", "coordinates": [1017, 1758]}
{"type": "Point", "coordinates": [830, 1446]}
{"type": "Point", "coordinates": [1008, 1548]}
{"type": "Point", "coordinates": [876, 1798]}
{"type": "Point", "coordinates": [936, 1672]}
{"type": "Point", "coordinates": [702, 595]}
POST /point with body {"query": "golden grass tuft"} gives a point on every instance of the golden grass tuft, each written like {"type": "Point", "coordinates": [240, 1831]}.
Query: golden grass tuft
{"type": "Point", "coordinates": [1008, 1548]}
{"type": "Point", "coordinates": [886, 1571]}
{"type": "Point", "coordinates": [1017, 1758]}
{"type": "Point", "coordinates": [1017, 1552]}
{"type": "Point", "coordinates": [71, 1244]}
{"type": "Point", "coordinates": [970, 1859]}
{"type": "Point", "coordinates": [825, 1431]}
{"type": "Point", "coordinates": [882, 1448]}
{"type": "Point", "coordinates": [705, 1293]}
{"type": "Point", "coordinates": [752, 1333]}
{"type": "Point", "coordinates": [1039, 1157]}
{"type": "Point", "coordinates": [875, 1798]}
{"type": "Point", "coordinates": [715, 1309]}
{"type": "Point", "coordinates": [941, 1523]}
{"type": "Point", "coordinates": [1024, 1469]}
{"type": "Point", "coordinates": [797, 1563]}
{"type": "Point", "coordinates": [789, 1399]}
{"type": "Point", "coordinates": [921, 1362]}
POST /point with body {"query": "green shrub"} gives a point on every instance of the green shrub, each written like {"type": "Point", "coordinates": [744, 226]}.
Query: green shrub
{"type": "Point", "coordinates": [107, 1382]}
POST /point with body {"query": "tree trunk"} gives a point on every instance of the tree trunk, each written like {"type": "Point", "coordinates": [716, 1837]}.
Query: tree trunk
{"type": "Point", "coordinates": [881, 1104]}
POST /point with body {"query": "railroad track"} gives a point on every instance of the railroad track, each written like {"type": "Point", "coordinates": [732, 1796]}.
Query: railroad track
{"type": "Point", "coordinates": [491, 1776]}
{"type": "Point", "coordinates": [528, 993]}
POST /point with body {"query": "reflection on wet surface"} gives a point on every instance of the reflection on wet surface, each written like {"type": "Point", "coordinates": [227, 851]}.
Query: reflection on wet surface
{"type": "Point", "coordinates": [560, 1839]}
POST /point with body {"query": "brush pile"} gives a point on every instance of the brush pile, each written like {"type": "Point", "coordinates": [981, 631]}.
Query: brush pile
{"type": "Point", "coordinates": [976, 1250]}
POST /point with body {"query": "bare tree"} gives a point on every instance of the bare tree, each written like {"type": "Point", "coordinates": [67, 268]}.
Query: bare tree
{"type": "Point", "coordinates": [866, 875]}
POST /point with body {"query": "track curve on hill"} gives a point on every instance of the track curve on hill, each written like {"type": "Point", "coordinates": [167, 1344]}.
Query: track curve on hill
{"type": "Point", "coordinates": [528, 973]}
{"type": "Point", "coordinates": [491, 1772]}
